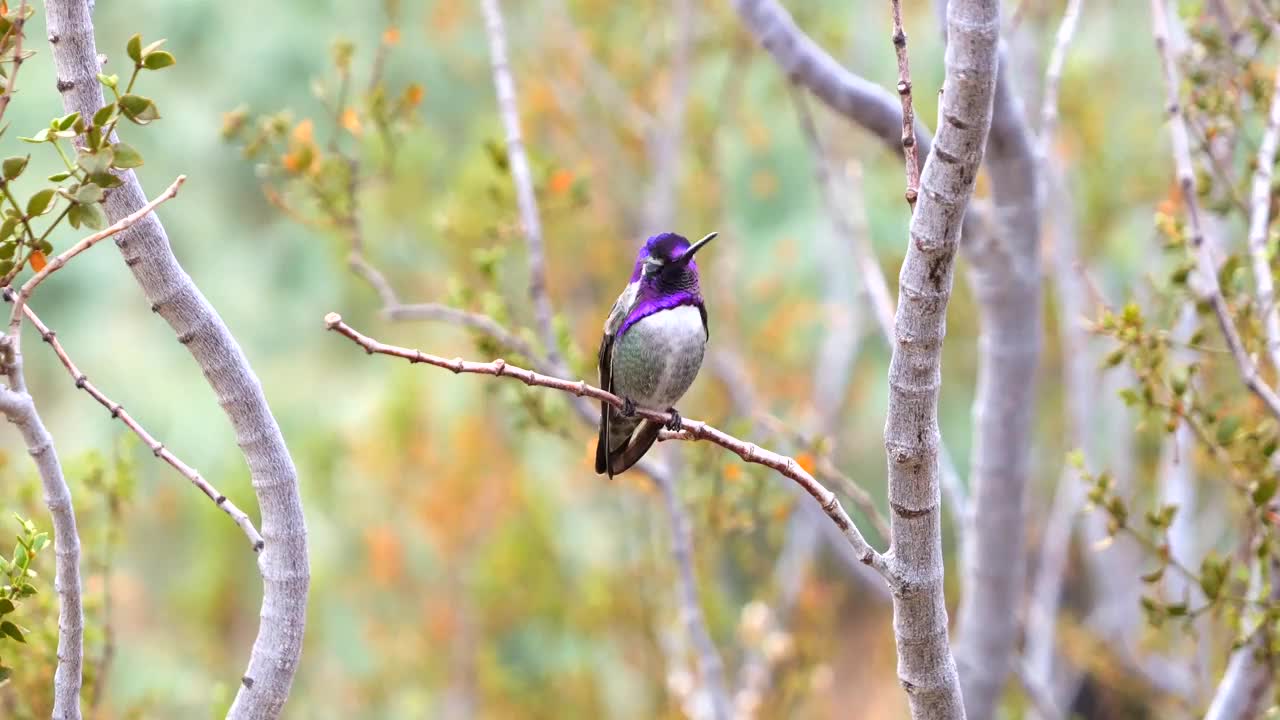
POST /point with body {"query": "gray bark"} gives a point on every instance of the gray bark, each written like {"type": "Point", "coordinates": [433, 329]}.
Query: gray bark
{"type": "Point", "coordinates": [145, 248]}
{"type": "Point", "coordinates": [20, 410]}
{"type": "Point", "coordinates": [811, 67]}
{"type": "Point", "coordinates": [926, 668]}
{"type": "Point", "coordinates": [1005, 277]}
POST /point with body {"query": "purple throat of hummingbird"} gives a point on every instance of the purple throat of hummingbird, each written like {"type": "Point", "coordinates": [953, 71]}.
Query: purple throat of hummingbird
{"type": "Point", "coordinates": [674, 285]}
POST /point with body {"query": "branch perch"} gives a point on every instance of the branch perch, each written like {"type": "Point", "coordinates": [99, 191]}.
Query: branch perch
{"type": "Point", "coordinates": [692, 430]}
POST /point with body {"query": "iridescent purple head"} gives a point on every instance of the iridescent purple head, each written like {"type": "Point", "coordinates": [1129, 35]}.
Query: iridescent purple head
{"type": "Point", "coordinates": [666, 261]}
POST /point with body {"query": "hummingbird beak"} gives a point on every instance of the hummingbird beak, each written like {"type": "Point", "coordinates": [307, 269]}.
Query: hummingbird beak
{"type": "Point", "coordinates": [688, 254]}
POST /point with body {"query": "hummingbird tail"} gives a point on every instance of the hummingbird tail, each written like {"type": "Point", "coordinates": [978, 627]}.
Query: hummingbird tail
{"type": "Point", "coordinates": [630, 453]}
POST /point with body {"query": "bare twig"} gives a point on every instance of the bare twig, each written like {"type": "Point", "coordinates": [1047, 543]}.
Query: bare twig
{"type": "Point", "coordinates": [909, 151]}
{"type": "Point", "coordinates": [709, 664]}
{"type": "Point", "coordinates": [157, 448]}
{"type": "Point", "coordinates": [1053, 81]}
{"type": "Point", "coordinates": [18, 407]}
{"type": "Point", "coordinates": [1260, 225]}
{"type": "Point", "coordinates": [1203, 252]}
{"type": "Point", "coordinates": [692, 429]}
{"type": "Point", "coordinates": [24, 293]}
{"type": "Point", "coordinates": [521, 178]}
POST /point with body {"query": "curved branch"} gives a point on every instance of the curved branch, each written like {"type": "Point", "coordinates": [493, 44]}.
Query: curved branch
{"type": "Point", "coordinates": [145, 248]}
{"type": "Point", "coordinates": [807, 64]}
{"type": "Point", "coordinates": [692, 429]}
{"type": "Point", "coordinates": [18, 407]}
{"type": "Point", "coordinates": [157, 448]}
{"type": "Point", "coordinates": [521, 177]}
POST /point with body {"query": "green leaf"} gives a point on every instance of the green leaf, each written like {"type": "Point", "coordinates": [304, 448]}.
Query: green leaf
{"type": "Point", "coordinates": [7, 250]}
{"type": "Point", "coordinates": [104, 115]}
{"type": "Point", "coordinates": [148, 50]}
{"type": "Point", "coordinates": [40, 203]}
{"type": "Point", "coordinates": [13, 166]}
{"type": "Point", "coordinates": [5, 673]}
{"type": "Point", "coordinates": [1154, 575]}
{"type": "Point", "coordinates": [96, 162]}
{"type": "Point", "coordinates": [105, 179]}
{"type": "Point", "coordinates": [158, 60]}
{"type": "Point", "coordinates": [12, 631]}
{"type": "Point", "coordinates": [88, 194]}
{"type": "Point", "coordinates": [66, 122]}
{"type": "Point", "coordinates": [75, 214]}
{"type": "Point", "coordinates": [110, 81]}
{"type": "Point", "coordinates": [1227, 430]}
{"type": "Point", "coordinates": [40, 137]}
{"type": "Point", "coordinates": [92, 216]}
{"type": "Point", "coordinates": [59, 177]}
{"type": "Point", "coordinates": [126, 156]}
{"type": "Point", "coordinates": [6, 606]}
{"type": "Point", "coordinates": [139, 109]}
{"type": "Point", "coordinates": [1264, 491]}
{"type": "Point", "coordinates": [134, 48]}
{"type": "Point", "coordinates": [20, 558]}
{"type": "Point", "coordinates": [7, 227]}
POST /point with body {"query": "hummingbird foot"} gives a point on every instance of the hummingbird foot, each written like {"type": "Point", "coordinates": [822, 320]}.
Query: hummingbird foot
{"type": "Point", "coordinates": [676, 423]}
{"type": "Point", "coordinates": [628, 408]}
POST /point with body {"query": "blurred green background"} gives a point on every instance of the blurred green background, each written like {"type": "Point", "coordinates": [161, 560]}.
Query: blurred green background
{"type": "Point", "coordinates": [466, 561]}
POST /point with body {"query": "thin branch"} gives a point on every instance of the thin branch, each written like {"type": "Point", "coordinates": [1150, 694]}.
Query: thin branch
{"type": "Point", "coordinates": [692, 429]}
{"type": "Point", "coordinates": [483, 324]}
{"type": "Point", "coordinates": [20, 298]}
{"type": "Point", "coordinates": [18, 29]}
{"type": "Point", "coordinates": [1260, 225]}
{"type": "Point", "coordinates": [521, 177]}
{"type": "Point", "coordinates": [157, 448]}
{"type": "Point", "coordinates": [1053, 81]}
{"type": "Point", "coordinates": [18, 407]}
{"type": "Point", "coordinates": [1243, 688]}
{"type": "Point", "coordinates": [710, 665]}
{"type": "Point", "coordinates": [909, 151]}
{"type": "Point", "coordinates": [1203, 252]}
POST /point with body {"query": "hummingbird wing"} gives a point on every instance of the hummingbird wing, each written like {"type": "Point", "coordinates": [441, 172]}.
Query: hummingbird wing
{"type": "Point", "coordinates": [606, 382]}
{"type": "Point", "coordinates": [621, 308]}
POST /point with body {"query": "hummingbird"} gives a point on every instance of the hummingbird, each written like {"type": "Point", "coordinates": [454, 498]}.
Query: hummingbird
{"type": "Point", "coordinates": [652, 349]}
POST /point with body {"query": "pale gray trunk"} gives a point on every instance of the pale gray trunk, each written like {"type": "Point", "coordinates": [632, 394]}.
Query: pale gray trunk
{"type": "Point", "coordinates": [926, 668]}
{"type": "Point", "coordinates": [145, 247]}
{"type": "Point", "coordinates": [20, 410]}
{"type": "Point", "coordinates": [1005, 277]}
